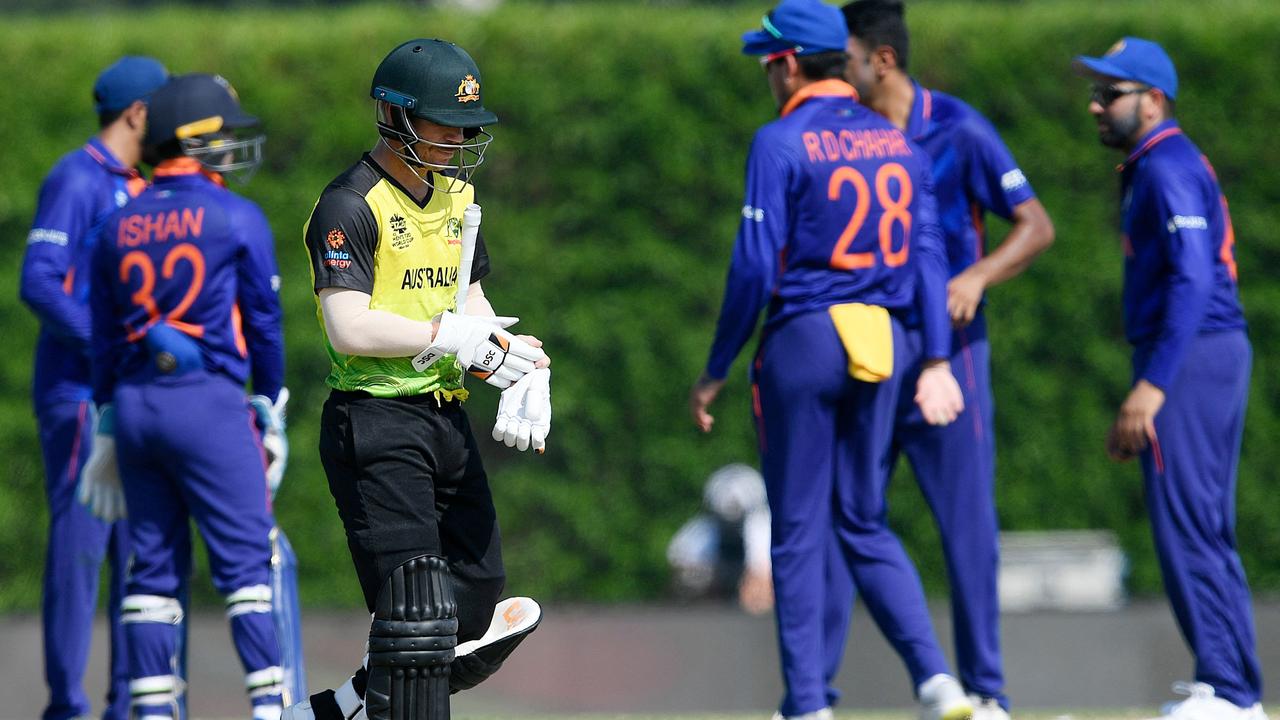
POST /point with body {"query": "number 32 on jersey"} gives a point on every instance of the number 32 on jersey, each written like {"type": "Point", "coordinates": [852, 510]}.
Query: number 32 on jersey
{"type": "Point", "coordinates": [895, 204]}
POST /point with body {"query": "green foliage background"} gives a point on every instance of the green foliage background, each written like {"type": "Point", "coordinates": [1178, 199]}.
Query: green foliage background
{"type": "Point", "coordinates": [611, 199]}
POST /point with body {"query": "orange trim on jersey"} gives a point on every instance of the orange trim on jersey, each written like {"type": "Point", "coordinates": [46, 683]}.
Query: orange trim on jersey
{"type": "Point", "coordinates": [1157, 456]}
{"type": "Point", "coordinates": [822, 88]}
{"type": "Point", "coordinates": [1146, 146]}
{"type": "Point", "coordinates": [980, 228]}
{"type": "Point", "coordinates": [927, 111]}
{"type": "Point", "coordinates": [237, 330]}
{"type": "Point", "coordinates": [178, 166]}
{"type": "Point", "coordinates": [69, 281]}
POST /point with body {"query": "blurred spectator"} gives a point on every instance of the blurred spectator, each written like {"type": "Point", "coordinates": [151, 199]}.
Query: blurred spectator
{"type": "Point", "coordinates": [723, 551]}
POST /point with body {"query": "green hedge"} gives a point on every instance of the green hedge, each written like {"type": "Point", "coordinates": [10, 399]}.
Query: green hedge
{"type": "Point", "coordinates": [611, 196]}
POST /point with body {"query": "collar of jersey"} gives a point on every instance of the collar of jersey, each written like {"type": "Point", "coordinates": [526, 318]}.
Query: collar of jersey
{"type": "Point", "coordinates": [99, 152]}
{"type": "Point", "coordinates": [184, 168]}
{"type": "Point", "coordinates": [431, 191]}
{"type": "Point", "coordinates": [822, 88]}
{"type": "Point", "coordinates": [1158, 134]}
{"type": "Point", "coordinates": [921, 112]}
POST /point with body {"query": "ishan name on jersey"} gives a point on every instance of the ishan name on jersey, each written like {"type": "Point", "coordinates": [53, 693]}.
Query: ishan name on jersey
{"type": "Point", "coordinates": [429, 277]}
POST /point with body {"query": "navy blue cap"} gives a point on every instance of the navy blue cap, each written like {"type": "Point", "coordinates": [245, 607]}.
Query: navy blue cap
{"type": "Point", "coordinates": [131, 78]}
{"type": "Point", "coordinates": [192, 105]}
{"type": "Point", "coordinates": [806, 26]}
{"type": "Point", "coordinates": [1136, 60]}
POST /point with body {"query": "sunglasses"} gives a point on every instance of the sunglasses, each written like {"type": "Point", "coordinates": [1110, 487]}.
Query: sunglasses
{"type": "Point", "coordinates": [1104, 95]}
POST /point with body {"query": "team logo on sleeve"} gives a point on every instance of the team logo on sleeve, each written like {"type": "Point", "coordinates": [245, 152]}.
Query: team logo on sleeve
{"type": "Point", "coordinates": [335, 257]}
{"type": "Point", "coordinates": [401, 238]}
{"type": "Point", "coordinates": [1013, 180]}
{"type": "Point", "coordinates": [468, 89]}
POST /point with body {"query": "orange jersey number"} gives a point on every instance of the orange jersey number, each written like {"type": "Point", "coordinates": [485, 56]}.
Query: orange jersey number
{"type": "Point", "coordinates": [144, 297]}
{"type": "Point", "coordinates": [897, 211]}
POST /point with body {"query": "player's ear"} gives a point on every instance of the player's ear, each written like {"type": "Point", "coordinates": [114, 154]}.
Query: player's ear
{"type": "Point", "coordinates": [136, 115]}
{"type": "Point", "coordinates": [884, 59]}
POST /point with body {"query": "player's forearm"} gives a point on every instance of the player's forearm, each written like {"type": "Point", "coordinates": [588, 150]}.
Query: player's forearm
{"type": "Point", "coordinates": [43, 291]}
{"type": "Point", "coordinates": [356, 329]}
{"type": "Point", "coordinates": [477, 303]}
{"type": "Point", "coordinates": [1032, 233]}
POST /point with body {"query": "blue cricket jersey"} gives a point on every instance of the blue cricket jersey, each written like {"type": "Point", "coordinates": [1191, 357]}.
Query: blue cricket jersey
{"type": "Point", "coordinates": [973, 172]}
{"type": "Point", "coordinates": [1179, 248]}
{"type": "Point", "coordinates": [195, 256]}
{"type": "Point", "coordinates": [839, 208]}
{"type": "Point", "coordinates": [81, 190]}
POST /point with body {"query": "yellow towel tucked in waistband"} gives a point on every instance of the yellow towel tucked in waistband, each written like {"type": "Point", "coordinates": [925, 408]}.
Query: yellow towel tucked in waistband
{"type": "Point", "coordinates": [867, 335]}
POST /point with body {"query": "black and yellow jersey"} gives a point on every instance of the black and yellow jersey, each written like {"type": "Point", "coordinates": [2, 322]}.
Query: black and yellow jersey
{"type": "Point", "coordinates": [367, 233]}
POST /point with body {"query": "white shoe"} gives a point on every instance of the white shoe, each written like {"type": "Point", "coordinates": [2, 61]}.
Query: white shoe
{"type": "Point", "coordinates": [1203, 704]}
{"type": "Point", "coordinates": [942, 698]}
{"type": "Point", "coordinates": [988, 708]}
{"type": "Point", "coordinates": [823, 714]}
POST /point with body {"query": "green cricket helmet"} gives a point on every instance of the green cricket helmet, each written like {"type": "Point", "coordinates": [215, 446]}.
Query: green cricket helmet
{"type": "Point", "coordinates": [437, 81]}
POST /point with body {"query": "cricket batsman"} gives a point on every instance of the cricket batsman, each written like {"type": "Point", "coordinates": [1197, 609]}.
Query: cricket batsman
{"type": "Point", "coordinates": [1184, 414]}
{"type": "Point", "coordinates": [838, 234]}
{"type": "Point", "coordinates": [184, 306]}
{"type": "Point", "coordinates": [86, 186]}
{"type": "Point", "coordinates": [974, 174]}
{"type": "Point", "coordinates": [396, 261]}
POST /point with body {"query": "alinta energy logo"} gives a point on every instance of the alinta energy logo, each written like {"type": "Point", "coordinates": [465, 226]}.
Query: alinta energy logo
{"type": "Point", "coordinates": [336, 238]}
{"type": "Point", "coordinates": [468, 89]}
{"type": "Point", "coordinates": [334, 257]}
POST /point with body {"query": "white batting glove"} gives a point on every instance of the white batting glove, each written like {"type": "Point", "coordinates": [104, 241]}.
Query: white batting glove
{"type": "Point", "coordinates": [269, 417]}
{"type": "Point", "coordinates": [938, 394]}
{"type": "Point", "coordinates": [99, 489]}
{"type": "Point", "coordinates": [524, 413]}
{"type": "Point", "coordinates": [482, 347]}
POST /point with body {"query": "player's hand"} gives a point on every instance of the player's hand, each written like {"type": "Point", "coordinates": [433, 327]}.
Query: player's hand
{"type": "Point", "coordinates": [100, 489]}
{"type": "Point", "coordinates": [755, 592]}
{"type": "Point", "coordinates": [545, 362]}
{"type": "Point", "coordinates": [938, 394]}
{"type": "Point", "coordinates": [524, 413]}
{"type": "Point", "coordinates": [1135, 424]}
{"type": "Point", "coordinates": [483, 347]}
{"type": "Point", "coordinates": [269, 417]}
{"type": "Point", "coordinates": [964, 295]}
{"type": "Point", "coordinates": [701, 395]}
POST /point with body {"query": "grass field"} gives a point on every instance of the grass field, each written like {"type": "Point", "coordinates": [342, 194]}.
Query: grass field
{"type": "Point", "coordinates": [1092, 714]}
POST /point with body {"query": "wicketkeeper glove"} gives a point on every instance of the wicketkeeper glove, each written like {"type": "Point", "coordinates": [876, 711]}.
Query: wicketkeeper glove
{"type": "Point", "coordinates": [482, 347]}
{"type": "Point", "coordinates": [269, 417]}
{"type": "Point", "coordinates": [99, 489]}
{"type": "Point", "coordinates": [524, 412]}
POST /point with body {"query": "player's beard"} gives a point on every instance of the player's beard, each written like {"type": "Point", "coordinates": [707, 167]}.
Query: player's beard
{"type": "Point", "coordinates": [1118, 132]}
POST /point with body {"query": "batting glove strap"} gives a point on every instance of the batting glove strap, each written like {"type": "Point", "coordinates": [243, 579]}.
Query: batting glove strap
{"type": "Point", "coordinates": [483, 347]}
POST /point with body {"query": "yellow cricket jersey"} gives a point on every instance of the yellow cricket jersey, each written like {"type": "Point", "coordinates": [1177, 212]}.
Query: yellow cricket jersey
{"type": "Point", "coordinates": [367, 233]}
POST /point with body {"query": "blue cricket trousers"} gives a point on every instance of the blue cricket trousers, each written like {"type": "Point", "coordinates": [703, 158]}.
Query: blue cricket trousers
{"type": "Point", "coordinates": [825, 445]}
{"type": "Point", "coordinates": [188, 449]}
{"type": "Point", "coordinates": [78, 542]}
{"type": "Point", "coordinates": [954, 466]}
{"type": "Point", "coordinates": [1190, 488]}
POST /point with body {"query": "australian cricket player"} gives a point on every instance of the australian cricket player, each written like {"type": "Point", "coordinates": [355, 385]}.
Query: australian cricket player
{"type": "Point", "coordinates": [404, 320]}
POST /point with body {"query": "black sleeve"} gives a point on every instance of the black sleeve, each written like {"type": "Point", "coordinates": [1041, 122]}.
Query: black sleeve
{"type": "Point", "coordinates": [480, 264]}
{"type": "Point", "coordinates": [341, 238]}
